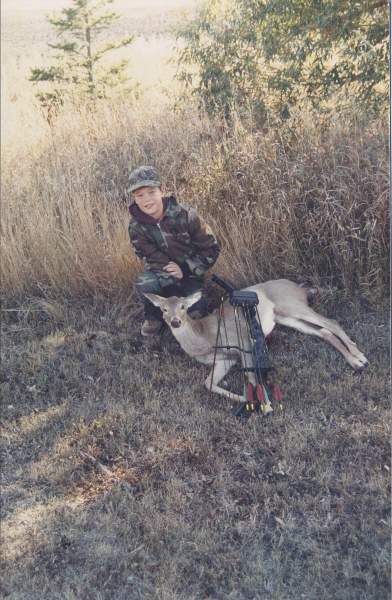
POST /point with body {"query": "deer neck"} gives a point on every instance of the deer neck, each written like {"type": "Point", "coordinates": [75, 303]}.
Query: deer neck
{"type": "Point", "coordinates": [196, 337]}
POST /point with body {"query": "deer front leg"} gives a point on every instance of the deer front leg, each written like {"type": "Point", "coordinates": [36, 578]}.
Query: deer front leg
{"type": "Point", "coordinates": [217, 374]}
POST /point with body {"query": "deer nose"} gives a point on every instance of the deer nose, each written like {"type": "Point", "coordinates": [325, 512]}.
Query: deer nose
{"type": "Point", "coordinates": [175, 323]}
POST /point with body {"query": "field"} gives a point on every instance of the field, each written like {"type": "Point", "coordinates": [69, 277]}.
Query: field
{"type": "Point", "coordinates": [122, 477]}
{"type": "Point", "coordinates": [194, 504]}
{"type": "Point", "coordinates": [26, 33]}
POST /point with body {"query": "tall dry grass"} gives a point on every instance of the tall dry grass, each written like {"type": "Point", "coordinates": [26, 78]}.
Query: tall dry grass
{"type": "Point", "coordinates": [307, 201]}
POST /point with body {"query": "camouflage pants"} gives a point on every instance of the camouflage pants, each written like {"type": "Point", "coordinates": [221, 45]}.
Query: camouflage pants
{"type": "Point", "coordinates": [165, 285]}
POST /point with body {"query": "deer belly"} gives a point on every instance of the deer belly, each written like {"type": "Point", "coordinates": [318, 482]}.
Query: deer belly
{"type": "Point", "coordinates": [267, 316]}
{"type": "Point", "coordinates": [268, 323]}
{"type": "Point", "coordinates": [206, 359]}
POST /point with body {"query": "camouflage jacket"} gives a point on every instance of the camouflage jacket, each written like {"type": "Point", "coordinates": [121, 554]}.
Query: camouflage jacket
{"type": "Point", "coordinates": [180, 236]}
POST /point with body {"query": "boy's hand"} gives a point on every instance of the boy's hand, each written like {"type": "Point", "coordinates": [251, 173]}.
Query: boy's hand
{"type": "Point", "coordinates": [174, 270]}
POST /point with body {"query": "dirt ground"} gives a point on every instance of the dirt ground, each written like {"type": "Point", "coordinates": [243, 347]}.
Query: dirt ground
{"type": "Point", "coordinates": [123, 479]}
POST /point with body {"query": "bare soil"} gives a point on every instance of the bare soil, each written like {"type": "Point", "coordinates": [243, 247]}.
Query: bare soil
{"type": "Point", "coordinates": [123, 479]}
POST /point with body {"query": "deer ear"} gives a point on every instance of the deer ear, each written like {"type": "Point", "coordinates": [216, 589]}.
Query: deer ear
{"type": "Point", "coordinates": [156, 300]}
{"type": "Point", "coordinates": [191, 300]}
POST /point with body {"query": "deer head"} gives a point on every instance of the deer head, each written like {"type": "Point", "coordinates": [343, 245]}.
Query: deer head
{"type": "Point", "coordinates": [174, 309]}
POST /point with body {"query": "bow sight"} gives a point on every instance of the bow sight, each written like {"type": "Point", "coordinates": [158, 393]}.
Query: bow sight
{"type": "Point", "coordinates": [251, 345]}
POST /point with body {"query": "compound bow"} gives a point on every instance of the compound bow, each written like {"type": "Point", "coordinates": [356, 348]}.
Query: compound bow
{"type": "Point", "coordinates": [259, 394]}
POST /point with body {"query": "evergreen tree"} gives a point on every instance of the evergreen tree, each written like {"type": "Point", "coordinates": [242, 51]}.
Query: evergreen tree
{"type": "Point", "coordinates": [79, 68]}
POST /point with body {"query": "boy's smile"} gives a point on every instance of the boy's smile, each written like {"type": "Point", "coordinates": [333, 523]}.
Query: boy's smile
{"type": "Point", "coordinates": [149, 200]}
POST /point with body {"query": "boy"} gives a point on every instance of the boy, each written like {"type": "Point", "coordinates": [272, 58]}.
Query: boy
{"type": "Point", "coordinates": [176, 245]}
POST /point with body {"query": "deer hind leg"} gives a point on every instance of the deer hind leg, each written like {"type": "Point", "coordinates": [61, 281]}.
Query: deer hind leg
{"type": "Point", "coordinates": [222, 367]}
{"type": "Point", "coordinates": [310, 316]}
{"type": "Point", "coordinates": [333, 327]}
{"type": "Point", "coordinates": [356, 361]}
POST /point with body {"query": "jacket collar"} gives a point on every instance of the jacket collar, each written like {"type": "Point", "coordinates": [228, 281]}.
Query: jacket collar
{"type": "Point", "coordinates": [170, 208]}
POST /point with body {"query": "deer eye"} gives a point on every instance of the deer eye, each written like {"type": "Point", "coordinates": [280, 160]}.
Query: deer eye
{"type": "Point", "coordinates": [165, 310]}
{"type": "Point", "coordinates": [182, 306]}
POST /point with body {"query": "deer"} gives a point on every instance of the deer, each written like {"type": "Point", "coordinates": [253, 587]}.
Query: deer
{"type": "Point", "coordinates": [281, 302]}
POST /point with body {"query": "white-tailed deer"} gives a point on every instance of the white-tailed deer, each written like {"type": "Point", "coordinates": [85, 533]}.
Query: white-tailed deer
{"type": "Point", "coordinates": [280, 302]}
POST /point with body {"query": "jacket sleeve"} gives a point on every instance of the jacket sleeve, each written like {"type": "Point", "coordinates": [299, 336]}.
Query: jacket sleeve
{"type": "Point", "coordinates": [154, 259]}
{"type": "Point", "coordinates": [204, 242]}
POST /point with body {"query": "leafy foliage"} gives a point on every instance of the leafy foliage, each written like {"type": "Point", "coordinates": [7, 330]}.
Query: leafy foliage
{"type": "Point", "coordinates": [276, 55]}
{"type": "Point", "coordinates": [319, 48]}
{"type": "Point", "coordinates": [79, 69]}
{"type": "Point", "coordinates": [228, 73]}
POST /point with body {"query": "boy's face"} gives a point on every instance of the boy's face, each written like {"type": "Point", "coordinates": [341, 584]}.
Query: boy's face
{"type": "Point", "coordinates": [149, 200]}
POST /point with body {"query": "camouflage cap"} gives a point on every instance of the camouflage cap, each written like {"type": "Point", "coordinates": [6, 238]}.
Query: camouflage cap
{"type": "Point", "coordinates": [144, 176]}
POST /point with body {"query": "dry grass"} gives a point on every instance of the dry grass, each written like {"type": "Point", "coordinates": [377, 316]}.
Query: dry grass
{"type": "Point", "coordinates": [305, 202]}
{"type": "Point", "coordinates": [196, 505]}
{"type": "Point", "coordinates": [309, 201]}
